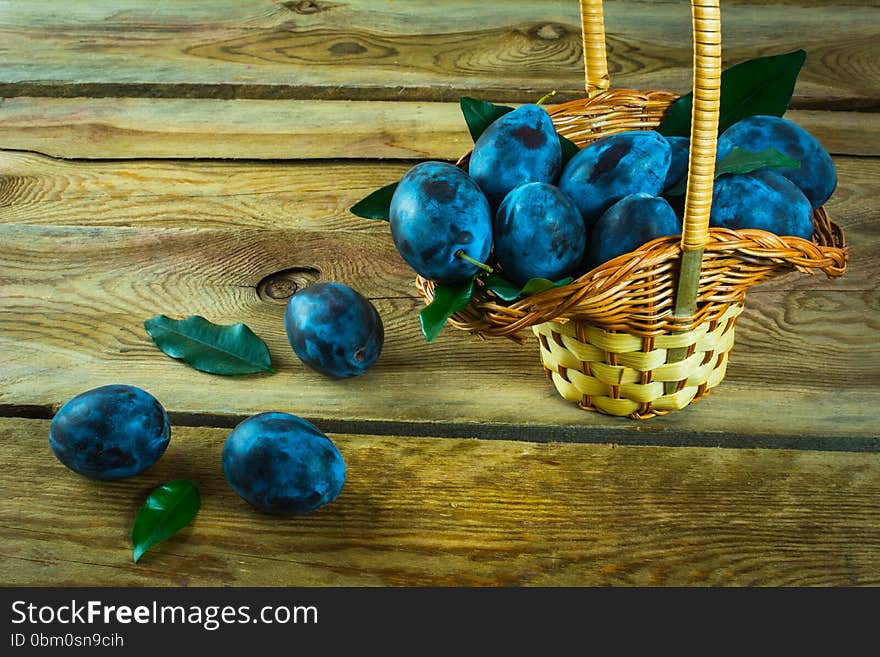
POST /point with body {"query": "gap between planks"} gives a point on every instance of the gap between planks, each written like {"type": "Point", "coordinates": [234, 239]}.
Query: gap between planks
{"type": "Point", "coordinates": [631, 432]}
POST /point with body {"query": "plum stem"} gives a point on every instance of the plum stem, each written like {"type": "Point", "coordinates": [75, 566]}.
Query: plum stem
{"type": "Point", "coordinates": [476, 263]}
{"type": "Point", "coordinates": [546, 97]}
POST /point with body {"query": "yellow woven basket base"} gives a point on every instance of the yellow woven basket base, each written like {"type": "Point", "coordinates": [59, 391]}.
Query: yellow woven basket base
{"type": "Point", "coordinates": [624, 374]}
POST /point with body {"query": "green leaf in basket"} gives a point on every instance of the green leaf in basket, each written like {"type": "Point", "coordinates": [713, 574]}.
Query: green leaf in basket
{"type": "Point", "coordinates": [210, 347]}
{"type": "Point", "coordinates": [480, 114]}
{"type": "Point", "coordinates": [377, 205]}
{"type": "Point", "coordinates": [758, 86]}
{"type": "Point", "coordinates": [501, 287]}
{"type": "Point", "coordinates": [507, 291]}
{"type": "Point", "coordinates": [448, 300]}
{"type": "Point", "coordinates": [569, 149]}
{"type": "Point", "coordinates": [168, 509]}
{"type": "Point", "coordinates": [537, 285]}
{"type": "Point", "coordinates": [739, 160]}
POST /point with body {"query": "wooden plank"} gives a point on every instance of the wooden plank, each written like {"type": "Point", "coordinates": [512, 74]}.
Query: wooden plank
{"type": "Point", "coordinates": [513, 50]}
{"type": "Point", "coordinates": [313, 195]}
{"type": "Point", "coordinates": [427, 511]}
{"type": "Point", "coordinates": [235, 129]}
{"type": "Point", "coordinates": [788, 362]}
{"type": "Point", "coordinates": [106, 128]}
{"type": "Point", "coordinates": [116, 243]}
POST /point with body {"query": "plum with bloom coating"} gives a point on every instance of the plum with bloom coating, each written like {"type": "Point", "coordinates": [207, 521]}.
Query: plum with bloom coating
{"type": "Point", "coordinates": [614, 167]}
{"type": "Point", "coordinates": [437, 211]}
{"type": "Point", "coordinates": [334, 329]}
{"type": "Point", "coordinates": [518, 148]}
{"type": "Point", "coordinates": [628, 224]}
{"type": "Point", "coordinates": [280, 463]}
{"type": "Point", "coordinates": [110, 432]}
{"type": "Point", "coordinates": [764, 200]}
{"type": "Point", "coordinates": [816, 176]}
{"type": "Point", "coordinates": [539, 233]}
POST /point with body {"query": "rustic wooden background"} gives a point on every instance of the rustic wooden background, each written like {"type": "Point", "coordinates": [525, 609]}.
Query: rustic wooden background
{"type": "Point", "coordinates": [188, 157]}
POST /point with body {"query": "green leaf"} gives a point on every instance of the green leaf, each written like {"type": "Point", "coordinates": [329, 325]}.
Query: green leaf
{"type": "Point", "coordinates": [507, 291]}
{"type": "Point", "coordinates": [569, 149]}
{"type": "Point", "coordinates": [758, 86]}
{"type": "Point", "coordinates": [537, 285]}
{"type": "Point", "coordinates": [739, 160]}
{"type": "Point", "coordinates": [210, 347]}
{"type": "Point", "coordinates": [377, 205]}
{"type": "Point", "coordinates": [502, 288]}
{"type": "Point", "coordinates": [448, 299]}
{"type": "Point", "coordinates": [168, 509]}
{"type": "Point", "coordinates": [480, 114]}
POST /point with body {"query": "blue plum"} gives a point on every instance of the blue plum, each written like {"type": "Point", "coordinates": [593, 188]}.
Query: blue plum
{"type": "Point", "coordinates": [816, 176]}
{"type": "Point", "coordinates": [436, 211]}
{"type": "Point", "coordinates": [334, 329]}
{"type": "Point", "coordinates": [539, 233]}
{"type": "Point", "coordinates": [110, 432]}
{"type": "Point", "coordinates": [678, 164]}
{"type": "Point", "coordinates": [520, 147]}
{"type": "Point", "coordinates": [282, 464]}
{"type": "Point", "coordinates": [628, 224]}
{"type": "Point", "coordinates": [763, 200]}
{"type": "Point", "coordinates": [614, 167]}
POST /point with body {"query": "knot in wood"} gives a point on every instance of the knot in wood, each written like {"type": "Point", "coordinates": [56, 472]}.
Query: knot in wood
{"type": "Point", "coordinates": [303, 6]}
{"type": "Point", "coordinates": [549, 31]}
{"type": "Point", "coordinates": [280, 286]}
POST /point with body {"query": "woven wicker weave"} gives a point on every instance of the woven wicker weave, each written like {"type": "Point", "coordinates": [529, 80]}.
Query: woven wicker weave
{"type": "Point", "coordinates": [652, 330]}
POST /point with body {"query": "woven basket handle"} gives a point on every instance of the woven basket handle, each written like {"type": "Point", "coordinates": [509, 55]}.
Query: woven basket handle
{"type": "Point", "coordinates": [706, 106]}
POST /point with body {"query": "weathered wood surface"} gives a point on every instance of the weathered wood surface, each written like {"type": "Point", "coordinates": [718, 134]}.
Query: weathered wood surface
{"type": "Point", "coordinates": [440, 511]}
{"type": "Point", "coordinates": [336, 99]}
{"type": "Point", "coordinates": [93, 249]}
{"type": "Point", "coordinates": [104, 128]}
{"type": "Point", "coordinates": [413, 50]}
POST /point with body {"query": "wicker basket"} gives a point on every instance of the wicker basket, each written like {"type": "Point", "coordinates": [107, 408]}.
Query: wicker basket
{"type": "Point", "coordinates": [651, 331]}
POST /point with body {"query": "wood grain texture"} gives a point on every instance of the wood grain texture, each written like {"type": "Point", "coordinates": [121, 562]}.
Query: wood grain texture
{"type": "Point", "coordinates": [244, 198]}
{"type": "Point", "coordinates": [107, 128]}
{"type": "Point", "coordinates": [235, 129]}
{"type": "Point", "coordinates": [96, 248]}
{"type": "Point", "coordinates": [438, 512]}
{"type": "Point", "coordinates": [514, 50]}
{"type": "Point", "coordinates": [784, 366]}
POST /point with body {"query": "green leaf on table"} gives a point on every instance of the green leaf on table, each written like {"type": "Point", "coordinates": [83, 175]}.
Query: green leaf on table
{"type": "Point", "coordinates": [376, 205]}
{"type": "Point", "coordinates": [569, 149]}
{"type": "Point", "coordinates": [480, 114]}
{"type": "Point", "coordinates": [448, 300]}
{"type": "Point", "coordinates": [763, 85]}
{"type": "Point", "coordinates": [210, 347]}
{"type": "Point", "coordinates": [168, 509]}
{"type": "Point", "coordinates": [507, 291]}
{"type": "Point", "coordinates": [739, 160]}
